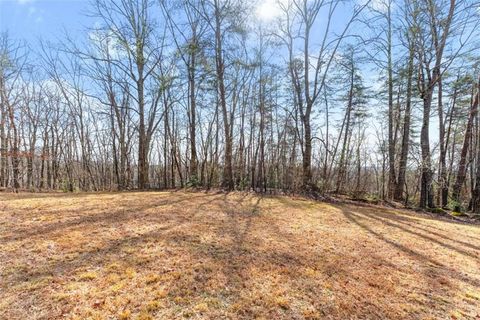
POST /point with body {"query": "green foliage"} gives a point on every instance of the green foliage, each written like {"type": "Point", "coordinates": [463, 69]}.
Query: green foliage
{"type": "Point", "coordinates": [457, 206]}
{"type": "Point", "coordinates": [193, 182]}
{"type": "Point", "coordinates": [243, 183]}
{"type": "Point", "coordinates": [373, 198]}
{"type": "Point", "coordinates": [438, 211]}
{"type": "Point", "coordinates": [457, 214]}
{"type": "Point", "coordinates": [68, 186]}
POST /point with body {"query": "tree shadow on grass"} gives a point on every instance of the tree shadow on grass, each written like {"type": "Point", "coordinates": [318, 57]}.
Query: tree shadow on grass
{"type": "Point", "coordinates": [56, 195]}
{"type": "Point", "coordinates": [441, 235]}
{"type": "Point", "coordinates": [167, 221]}
{"type": "Point", "coordinates": [224, 238]}
{"type": "Point", "coordinates": [356, 218]}
{"type": "Point", "coordinates": [84, 218]}
{"type": "Point", "coordinates": [94, 257]}
{"type": "Point", "coordinates": [249, 263]}
{"type": "Point", "coordinates": [236, 254]}
{"type": "Point", "coordinates": [409, 215]}
{"type": "Point", "coordinates": [392, 221]}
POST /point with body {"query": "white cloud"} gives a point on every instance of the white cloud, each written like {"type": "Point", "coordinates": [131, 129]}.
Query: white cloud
{"type": "Point", "coordinates": [24, 1]}
{"type": "Point", "coordinates": [267, 10]}
{"type": "Point", "coordinates": [33, 13]}
{"type": "Point", "coordinates": [31, 10]}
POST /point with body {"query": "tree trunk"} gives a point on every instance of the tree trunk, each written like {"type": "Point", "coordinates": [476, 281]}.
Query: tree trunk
{"type": "Point", "coordinates": [426, 192]}
{"type": "Point", "coordinates": [462, 166]}
{"type": "Point", "coordinates": [392, 180]}
{"type": "Point", "coordinates": [443, 150]}
{"type": "Point", "coordinates": [227, 182]}
{"type": "Point", "coordinates": [402, 168]}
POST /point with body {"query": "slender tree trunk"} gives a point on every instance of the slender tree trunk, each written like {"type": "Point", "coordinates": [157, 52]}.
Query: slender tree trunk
{"type": "Point", "coordinates": [192, 117]}
{"type": "Point", "coordinates": [228, 182]}
{"type": "Point", "coordinates": [346, 137]}
{"type": "Point", "coordinates": [443, 187]}
{"type": "Point", "coordinates": [142, 138]}
{"type": "Point", "coordinates": [392, 181]}
{"type": "Point", "coordinates": [426, 192]}
{"type": "Point", "coordinates": [462, 166]}
{"type": "Point", "coordinates": [402, 168]}
{"type": "Point", "coordinates": [307, 152]}
{"type": "Point", "coordinates": [14, 148]}
{"type": "Point", "coordinates": [3, 142]}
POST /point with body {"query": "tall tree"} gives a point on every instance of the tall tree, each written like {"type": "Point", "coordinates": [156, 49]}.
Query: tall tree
{"type": "Point", "coordinates": [309, 78]}
{"type": "Point", "coordinates": [132, 29]}
{"type": "Point", "coordinates": [432, 30]}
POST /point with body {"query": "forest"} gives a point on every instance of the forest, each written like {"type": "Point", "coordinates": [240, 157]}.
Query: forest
{"type": "Point", "coordinates": [374, 99]}
{"type": "Point", "coordinates": [239, 159]}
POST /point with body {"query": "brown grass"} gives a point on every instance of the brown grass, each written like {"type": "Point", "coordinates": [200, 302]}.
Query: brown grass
{"type": "Point", "coordinates": [171, 255]}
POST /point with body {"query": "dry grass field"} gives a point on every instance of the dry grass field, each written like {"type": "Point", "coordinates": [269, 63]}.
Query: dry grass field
{"type": "Point", "coordinates": [176, 255]}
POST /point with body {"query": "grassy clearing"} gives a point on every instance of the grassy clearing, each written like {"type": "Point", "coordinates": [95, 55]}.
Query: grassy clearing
{"type": "Point", "coordinates": [170, 255]}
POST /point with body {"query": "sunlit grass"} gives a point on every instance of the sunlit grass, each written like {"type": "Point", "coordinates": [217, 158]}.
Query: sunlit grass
{"type": "Point", "coordinates": [169, 255]}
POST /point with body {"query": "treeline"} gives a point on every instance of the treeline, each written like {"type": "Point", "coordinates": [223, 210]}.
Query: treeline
{"type": "Point", "coordinates": [375, 99]}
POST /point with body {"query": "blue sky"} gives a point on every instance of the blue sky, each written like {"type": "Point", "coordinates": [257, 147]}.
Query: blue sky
{"type": "Point", "coordinates": [31, 19]}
